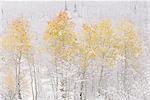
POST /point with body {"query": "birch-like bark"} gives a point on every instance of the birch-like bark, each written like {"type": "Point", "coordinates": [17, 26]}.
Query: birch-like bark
{"type": "Point", "coordinates": [18, 77]}
{"type": "Point", "coordinates": [35, 81]}
{"type": "Point", "coordinates": [125, 72]}
{"type": "Point", "coordinates": [100, 80]}
{"type": "Point", "coordinates": [56, 78]}
{"type": "Point", "coordinates": [31, 77]}
{"type": "Point", "coordinates": [82, 87]}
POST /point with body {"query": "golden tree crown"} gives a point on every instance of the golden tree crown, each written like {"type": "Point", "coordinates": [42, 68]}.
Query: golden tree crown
{"type": "Point", "coordinates": [17, 39]}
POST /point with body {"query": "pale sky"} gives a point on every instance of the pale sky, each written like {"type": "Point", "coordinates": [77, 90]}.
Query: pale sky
{"type": "Point", "coordinates": [38, 13]}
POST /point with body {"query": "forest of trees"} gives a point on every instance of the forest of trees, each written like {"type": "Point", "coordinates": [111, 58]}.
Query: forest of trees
{"type": "Point", "coordinates": [102, 62]}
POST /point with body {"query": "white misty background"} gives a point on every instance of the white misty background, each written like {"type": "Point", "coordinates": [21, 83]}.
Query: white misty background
{"type": "Point", "coordinates": [39, 13]}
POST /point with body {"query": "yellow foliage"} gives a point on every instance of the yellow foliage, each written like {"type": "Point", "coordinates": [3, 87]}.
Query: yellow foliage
{"type": "Point", "coordinates": [10, 83]}
{"type": "Point", "coordinates": [105, 27]}
{"type": "Point", "coordinates": [130, 39]}
{"type": "Point", "coordinates": [100, 42]}
{"type": "Point", "coordinates": [60, 36]}
{"type": "Point", "coordinates": [17, 39]}
{"type": "Point", "coordinates": [88, 46]}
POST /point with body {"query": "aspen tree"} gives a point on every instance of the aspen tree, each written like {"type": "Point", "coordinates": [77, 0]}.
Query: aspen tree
{"type": "Point", "coordinates": [17, 41]}
{"type": "Point", "coordinates": [108, 50]}
{"type": "Point", "coordinates": [102, 44]}
{"type": "Point", "coordinates": [33, 75]}
{"type": "Point", "coordinates": [131, 49]}
{"type": "Point", "coordinates": [61, 41]}
{"type": "Point", "coordinates": [87, 47]}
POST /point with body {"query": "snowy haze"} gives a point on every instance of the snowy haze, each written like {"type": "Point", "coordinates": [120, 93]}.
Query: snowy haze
{"type": "Point", "coordinates": [39, 13]}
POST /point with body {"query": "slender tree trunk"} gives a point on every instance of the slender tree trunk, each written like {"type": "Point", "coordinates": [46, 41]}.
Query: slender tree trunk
{"type": "Point", "coordinates": [93, 86]}
{"type": "Point", "coordinates": [81, 91]}
{"type": "Point", "coordinates": [85, 92]}
{"type": "Point", "coordinates": [101, 76]}
{"type": "Point", "coordinates": [100, 80]}
{"type": "Point", "coordinates": [125, 73]}
{"type": "Point", "coordinates": [18, 78]}
{"type": "Point", "coordinates": [31, 77]}
{"type": "Point", "coordinates": [53, 88]}
{"type": "Point", "coordinates": [82, 87]}
{"type": "Point", "coordinates": [35, 82]}
{"type": "Point", "coordinates": [125, 80]}
{"type": "Point", "coordinates": [63, 89]}
{"type": "Point", "coordinates": [56, 78]}
{"type": "Point", "coordinates": [67, 87]}
{"type": "Point", "coordinates": [75, 91]}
